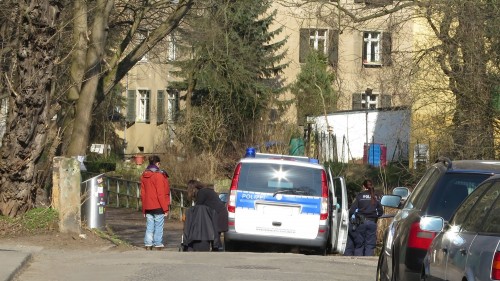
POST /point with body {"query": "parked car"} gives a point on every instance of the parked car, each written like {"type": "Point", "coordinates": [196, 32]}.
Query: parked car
{"type": "Point", "coordinates": [223, 197]}
{"type": "Point", "coordinates": [438, 193]}
{"type": "Point", "coordinates": [287, 200]}
{"type": "Point", "coordinates": [468, 247]}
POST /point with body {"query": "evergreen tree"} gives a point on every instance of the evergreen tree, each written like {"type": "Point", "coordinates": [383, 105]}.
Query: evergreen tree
{"type": "Point", "coordinates": [313, 89]}
{"type": "Point", "coordinates": [234, 67]}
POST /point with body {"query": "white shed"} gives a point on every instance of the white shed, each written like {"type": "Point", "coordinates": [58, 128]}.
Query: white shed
{"type": "Point", "coordinates": [354, 128]}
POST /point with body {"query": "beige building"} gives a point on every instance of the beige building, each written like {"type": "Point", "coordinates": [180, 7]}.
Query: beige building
{"type": "Point", "coordinates": [372, 60]}
{"type": "Point", "coordinates": [152, 106]}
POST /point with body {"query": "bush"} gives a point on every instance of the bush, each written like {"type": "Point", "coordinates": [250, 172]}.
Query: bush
{"type": "Point", "coordinates": [384, 179]}
{"type": "Point", "coordinates": [99, 167]}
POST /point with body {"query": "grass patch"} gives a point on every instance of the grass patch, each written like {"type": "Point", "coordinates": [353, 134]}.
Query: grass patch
{"type": "Point", "coordinates": [110, 236]}
{"type": "Point", "coordinates": [39, 219]}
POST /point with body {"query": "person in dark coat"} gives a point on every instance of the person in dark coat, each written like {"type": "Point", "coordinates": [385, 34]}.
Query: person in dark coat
{"type": "Point", "coordinates": [203, 194]}
{"type": "Point", "coordinates": [200, 229]}
{"type": "Point", "coordinates": [364, 213]}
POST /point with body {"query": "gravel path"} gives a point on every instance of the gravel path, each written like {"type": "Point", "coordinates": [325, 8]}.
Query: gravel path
{"type": "Point", "coordinates": [129, 225]}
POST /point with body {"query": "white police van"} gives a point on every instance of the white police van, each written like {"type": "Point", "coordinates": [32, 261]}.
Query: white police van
{"type": "Point", "coordinates": [289, 200]}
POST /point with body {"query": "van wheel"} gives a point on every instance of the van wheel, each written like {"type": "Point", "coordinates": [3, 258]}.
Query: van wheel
{"type": "Point", "coordinates": [229, 246]}
{"type": "Point", "coordinates": [324, 251]}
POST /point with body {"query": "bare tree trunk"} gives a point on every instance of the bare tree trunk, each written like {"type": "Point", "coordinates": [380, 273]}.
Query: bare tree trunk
{"type": "Point", "coordinates": [95, 56]}
{"type": "Point", "coordinates": [27, 80]}
{"type": "Point", "coordinates": [469, 81]}
{"type": "Point", "coordinates": [99, 81]}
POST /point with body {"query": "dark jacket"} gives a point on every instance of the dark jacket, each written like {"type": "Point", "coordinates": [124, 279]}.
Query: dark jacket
{"type": "Point", "coordinates": [363, 205]}
{"type": "Point", "coordinates": [208, 197]}
{"type": "Point", "coordinates": [155, 190]}
{"type": "Point", "coordinates": [200, 225]}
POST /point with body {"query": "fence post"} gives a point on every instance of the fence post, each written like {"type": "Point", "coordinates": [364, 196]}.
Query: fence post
{"type": "Point", "coordinates": [181, 211]}
{"type": "Point", "coordinates": [108, 191]}
{"type": "Point", "coordinates": [117, 194]}
{"type": "Point", "coordinates": [66, 193]}
{"type": "Point", "coordinates": [128, 195]}
{"type": "Point", "coordinates": [138, 196]}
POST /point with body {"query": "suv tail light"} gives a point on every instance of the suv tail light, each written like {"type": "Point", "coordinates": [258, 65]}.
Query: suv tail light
{"type": "Point", "coordinates": [419, 238]}
{"type": "Point", "coordinates": [231, 203]}
{"type": "Point", "coordinates": [495, 267]}
{"type": "Point", "coordinates": [323, 213]}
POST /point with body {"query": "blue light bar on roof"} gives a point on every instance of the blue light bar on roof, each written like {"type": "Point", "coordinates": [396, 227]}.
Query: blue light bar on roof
{"type": "Point", "coordinates": [250, 152]}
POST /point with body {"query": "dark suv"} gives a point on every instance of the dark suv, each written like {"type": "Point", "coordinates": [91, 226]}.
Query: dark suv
{"type": "Point", "coordinates": [438, 193]}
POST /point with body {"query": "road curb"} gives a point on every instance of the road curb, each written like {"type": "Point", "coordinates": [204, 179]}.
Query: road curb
{"type": "Point", "coordinates": [12, 263]}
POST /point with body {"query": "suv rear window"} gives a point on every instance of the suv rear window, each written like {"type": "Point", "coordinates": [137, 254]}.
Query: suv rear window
{"type": "Point", "coordinates": [450, 191]}
{"type": "Point", "coordinates": [269, 177]}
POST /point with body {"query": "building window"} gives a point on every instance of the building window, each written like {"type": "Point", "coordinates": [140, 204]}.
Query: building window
{"type": "Point", "coordinates": [377, 48]}
{"type": "Point", "coordinates": [143, 106]}
{"type": "Point", "coordinates": [370, 100]}
{"type": "Point", "coordinates": [130, 106]}
{"type": "Point", "coordinates": [323, 40]}
{"type": "Point", "coordinates": [172, 48]}
{"type": "Point", "coordinates": [138, 105]}
{"type": "Point", "coordinates": [142, 37]}
{"type": "Point", "coordinates": [160, 106]}
{"type": "Point", "coordinates": [172, 104]}
{"type": "Point", "coordinates": [317, 40]}
{"type": "Point", "coordinates": [371, 48]}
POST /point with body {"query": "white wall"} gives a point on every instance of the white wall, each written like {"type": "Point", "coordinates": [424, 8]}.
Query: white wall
{"type": "Point", "coordinates": [353, 129]}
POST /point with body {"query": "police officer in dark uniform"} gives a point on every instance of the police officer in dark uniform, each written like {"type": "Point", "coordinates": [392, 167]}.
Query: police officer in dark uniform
{"type": "Point", "coordinates": [364, 212]}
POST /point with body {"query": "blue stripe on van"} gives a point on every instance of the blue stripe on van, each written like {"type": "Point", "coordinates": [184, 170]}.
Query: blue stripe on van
{"type": "Point", "coordinates": [309, 204]}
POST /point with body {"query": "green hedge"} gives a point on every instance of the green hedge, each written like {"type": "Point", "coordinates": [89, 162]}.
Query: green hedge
{"type": "Point", "coordinates": [99, 167]}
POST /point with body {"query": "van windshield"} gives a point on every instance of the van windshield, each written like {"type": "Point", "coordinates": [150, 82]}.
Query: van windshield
{"type": "Point", "coordinates": [280, 179]}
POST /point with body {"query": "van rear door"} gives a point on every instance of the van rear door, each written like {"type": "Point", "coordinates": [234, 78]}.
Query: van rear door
{"type": "Point", "coordinates": [340, 214]}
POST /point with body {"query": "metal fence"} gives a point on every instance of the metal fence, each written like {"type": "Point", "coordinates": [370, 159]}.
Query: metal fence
{"type": "Point", "coordinates": [327, 147]}
{"type": "Point", "coordinates": [124, 193]}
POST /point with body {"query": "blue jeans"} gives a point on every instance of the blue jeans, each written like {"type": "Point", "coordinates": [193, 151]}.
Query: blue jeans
{"type": "Point", "coordinates": [154, 230]}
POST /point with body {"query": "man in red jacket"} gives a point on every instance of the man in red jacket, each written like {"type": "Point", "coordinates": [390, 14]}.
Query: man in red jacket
{"type": "Point", "coordinates": [155, 197]}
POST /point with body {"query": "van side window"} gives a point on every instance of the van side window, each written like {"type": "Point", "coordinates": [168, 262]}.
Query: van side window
{"type": "Point", "coordinates": [338, 192]}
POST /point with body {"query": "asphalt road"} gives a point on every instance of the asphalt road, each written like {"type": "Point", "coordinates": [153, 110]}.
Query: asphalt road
{"type": "Point", "coordinates": [207, 266]}
{"type": "Point", "coordinates": [139, 264]}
